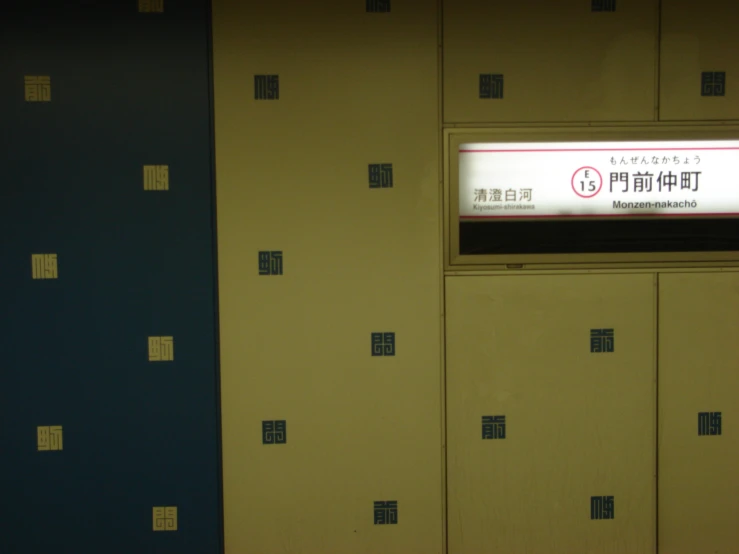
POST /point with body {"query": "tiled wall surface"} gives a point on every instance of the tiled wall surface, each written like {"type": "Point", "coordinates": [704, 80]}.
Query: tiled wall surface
{"type": "Point", "coordinates": [562, 368]}
{"type": "Point", "coordinates": [108, 385]}
{"type": "Point", "coordinates": [339, 337]}
{"type": "Point", "coordinates": [342, 431]}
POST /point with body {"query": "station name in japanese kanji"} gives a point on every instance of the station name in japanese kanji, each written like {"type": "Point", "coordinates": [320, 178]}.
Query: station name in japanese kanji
{"type": "Point", "coordinates": [647, 182]}
{"type": "Point", "coordinates": [502, 195]}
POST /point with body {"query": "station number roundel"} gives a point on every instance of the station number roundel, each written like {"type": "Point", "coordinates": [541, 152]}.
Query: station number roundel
{"type": "Point", "coordinates": [587, 182]}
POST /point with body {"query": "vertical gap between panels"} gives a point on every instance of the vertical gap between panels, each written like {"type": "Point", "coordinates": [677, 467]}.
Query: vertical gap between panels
{"type": "Point", "coordinates": [216, 295]}
{"type": "Point", "coordinates": [442, 235]}
{"type": "Point", "coordinates": [658, 65]}
{"type": "Point", "coordinates": [656, 409]}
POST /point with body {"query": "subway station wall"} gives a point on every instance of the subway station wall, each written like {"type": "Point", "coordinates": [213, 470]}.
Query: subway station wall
{"type": "Point", "coordinates": [540, 370]}
{"type": "Point", "coordinates": [108, 385]}
{"type": "Point", "coordinates": [330, 267]}
{"type": "Point", "coordinates": [327, 121]}
{"type": "Point", "coordinates": [698, 451]}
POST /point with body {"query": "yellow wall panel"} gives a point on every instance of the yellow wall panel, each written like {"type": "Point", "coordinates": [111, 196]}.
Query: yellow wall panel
{"type": "Point", "coordinates": [355, 88]}
{"type": "Point", "coordinates": [698, 360]}
{"type": "Point", "coordinates": [560, 61]}
{"type": "Point", "coordinates": [698, 37]}
{"type": "Point", "coordinates": [578, 424]}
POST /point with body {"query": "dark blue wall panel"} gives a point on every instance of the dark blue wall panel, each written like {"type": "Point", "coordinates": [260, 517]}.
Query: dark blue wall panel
{"type": "Point", "coordinates": [127, 89]}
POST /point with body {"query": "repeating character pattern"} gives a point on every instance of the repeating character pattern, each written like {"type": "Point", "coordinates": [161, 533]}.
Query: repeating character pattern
{"type": "Point", "coordinates": [602, 507]}
{"type": "Point", "coordinates": [270, 262]}
{"type": "Point", "coordinates": [274, 431]}
{"type": "Point", "coordinates": [709, 423]}
{"type": "Point", "coordinates": [602, 340]}
{"type": "Point", "coordinates": [383, 344]}
{"type": "Point", "coordinates": [493, 427]}
{"type": "Point", "coordinates": [49, 437]}
{"type": "Point", "coordinates": [156, 177]}
{"type": "Point", "coordinates": [266, 87]}
{"type": "Point", "coordinates": [386, 512]}
{"type": "Point", "coordinates": [380, 176]}
{"type": "Point", "coordinates": [130, 263]}
{"type": "Point", "coordinates": [713, 83]}
{"type": "Point", "coordinates": [165, 518]}
{"type": "Point", "coordinates": [37, 88]}
{"type": "Point", "coordinates": [44, 266]}
{"type": "Point", "coordinates": [491, 86]}
{"type": "Point", "coordinates": [161, 349]}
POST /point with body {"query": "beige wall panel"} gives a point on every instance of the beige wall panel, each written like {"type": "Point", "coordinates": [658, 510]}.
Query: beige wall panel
{"type": "Point", "coordinates": [560, 61]}
{"type": "Point", "coordinates": [698, 361]}
{"type": "Point", "coordinates": [579, 424]}
{"type": "Point", "coordinates": [698, 37]}
{"type": "Point", "coordinates": [355, 88]}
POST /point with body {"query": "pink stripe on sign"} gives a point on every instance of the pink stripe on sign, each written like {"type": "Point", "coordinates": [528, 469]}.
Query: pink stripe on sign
{"type": "Point", "coordinates": [645, 214]}
{"type": "Point", "coordinates": [598, 150]}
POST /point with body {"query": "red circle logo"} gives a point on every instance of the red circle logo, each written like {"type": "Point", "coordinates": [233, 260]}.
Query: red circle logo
{"type": "Point", "coordinates": [587, 182]}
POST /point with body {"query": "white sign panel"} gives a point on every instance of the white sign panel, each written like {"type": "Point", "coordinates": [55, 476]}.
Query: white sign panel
{"type": "Point", "coordinates": [598, 179]}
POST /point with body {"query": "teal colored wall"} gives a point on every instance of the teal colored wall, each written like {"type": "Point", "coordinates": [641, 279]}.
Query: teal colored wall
{"type": "Point", "coordinates": [127, 89]}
